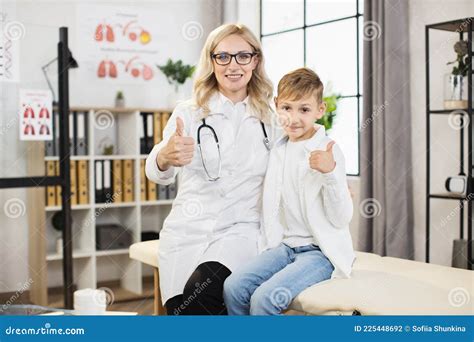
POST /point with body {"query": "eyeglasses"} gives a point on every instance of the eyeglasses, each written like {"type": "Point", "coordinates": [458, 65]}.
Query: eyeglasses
{"type": "Point", "coordinates": [242, 58]}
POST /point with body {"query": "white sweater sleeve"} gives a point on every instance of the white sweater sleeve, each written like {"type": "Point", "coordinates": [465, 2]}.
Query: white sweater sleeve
{"type": "Point", "coordinates": [337, 200]}
{"type": "Point", "coordinates": [152, 171]}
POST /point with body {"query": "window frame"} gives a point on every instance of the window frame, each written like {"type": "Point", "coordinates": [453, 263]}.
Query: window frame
{"type": "Point", "coordinates": [359, 22]}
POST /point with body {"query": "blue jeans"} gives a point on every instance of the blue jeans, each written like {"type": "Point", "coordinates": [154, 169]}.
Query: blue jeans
{"type": "Point", "coordinates": [268, 284]}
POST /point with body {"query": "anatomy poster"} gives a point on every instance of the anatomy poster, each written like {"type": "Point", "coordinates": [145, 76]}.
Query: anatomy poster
{"type": "Point", "coordinates": [35, 114]}
{"type": "Point", "coordinates": [117, 44]}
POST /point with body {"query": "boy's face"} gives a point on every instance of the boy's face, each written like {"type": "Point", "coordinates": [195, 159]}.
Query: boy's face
{"type": "Point", "coordinates": [298, 117]}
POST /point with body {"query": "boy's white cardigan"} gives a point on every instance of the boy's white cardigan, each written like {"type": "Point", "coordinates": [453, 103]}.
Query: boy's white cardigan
{"type": "Point", "coordinates": [325, 201]}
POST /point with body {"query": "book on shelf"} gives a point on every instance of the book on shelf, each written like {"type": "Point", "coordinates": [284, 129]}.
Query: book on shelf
{"type": "Point", "coordinates": [83, 181]}
{"type": "Point", "coordinates": [117, 183]}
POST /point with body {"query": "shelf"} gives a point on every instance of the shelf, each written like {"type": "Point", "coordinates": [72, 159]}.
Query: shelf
{"type": "Point", "coordinates": [114, 157]}
{"type": "Point", "coordinates": [74, 207]}
{"type": "Point", "coordinates": [459, 25]}
{"type": "Point", "coordinates": [112, 252]}
{"type": "Point", "coordinates": [116, 205]}
{"type": "Point", "coordinates": [449, 111]}
{"type": "Point", "coordinates": [448, 196]}
{"type": "Point", "coordinates": [56, 158]}
{"type": "Point", "coordinates": [158, 202]}
{"type": "Point", "coordinates": [75, 254]}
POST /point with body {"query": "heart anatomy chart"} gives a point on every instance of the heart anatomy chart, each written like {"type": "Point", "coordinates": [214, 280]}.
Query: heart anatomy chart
{"type": "Point", "coordinates": [117, 44]}
{"type": "Point", "coordinates": [35, 114]}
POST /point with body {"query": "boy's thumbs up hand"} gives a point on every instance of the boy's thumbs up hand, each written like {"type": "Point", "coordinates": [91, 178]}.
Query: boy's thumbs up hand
{"type": "Point", "coordinates": [323, 161]}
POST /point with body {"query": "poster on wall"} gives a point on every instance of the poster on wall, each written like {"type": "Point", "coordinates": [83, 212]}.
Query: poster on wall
{"type": "Point", "coordinates": [11, 32]}
{"type": "Point", "coordinates": [35, 114]}
{"type": "Point", "coordinates": [117, 44]}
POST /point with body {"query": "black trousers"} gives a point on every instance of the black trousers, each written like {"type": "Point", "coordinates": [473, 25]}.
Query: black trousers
{"type": "Point", "coordinates": [202, 294]}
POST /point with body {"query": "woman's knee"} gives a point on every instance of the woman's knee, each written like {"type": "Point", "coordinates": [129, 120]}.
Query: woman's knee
{"type": "Point", "coordinates": [233, 288]}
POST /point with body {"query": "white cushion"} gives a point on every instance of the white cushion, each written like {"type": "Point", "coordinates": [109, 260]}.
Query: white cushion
{"type": "Point", "coordinates": [392, 286]}
{"type": "Point", "coordinates": [146, 252]}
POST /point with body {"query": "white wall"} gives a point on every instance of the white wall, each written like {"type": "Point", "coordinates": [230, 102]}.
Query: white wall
{"type": "Point", "coordinates": [41, 20]}
{"type": "Point", "coordinates": [444, 140]}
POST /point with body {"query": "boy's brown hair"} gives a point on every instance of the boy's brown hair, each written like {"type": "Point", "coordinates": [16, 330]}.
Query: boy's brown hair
{"type": "Point", "coordinates": [300, 83]}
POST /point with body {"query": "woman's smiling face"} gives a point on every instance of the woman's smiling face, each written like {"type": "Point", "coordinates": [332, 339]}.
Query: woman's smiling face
{"type": "Point", "coordinates": [233, 77]}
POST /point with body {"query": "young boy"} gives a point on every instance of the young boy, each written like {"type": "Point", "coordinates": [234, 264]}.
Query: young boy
{"type": "Point", "coordinates": [307, 208]}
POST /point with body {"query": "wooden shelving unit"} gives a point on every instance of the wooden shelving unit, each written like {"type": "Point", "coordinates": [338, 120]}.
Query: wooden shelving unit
{"type": "Point", "coordinates": [92, 267]}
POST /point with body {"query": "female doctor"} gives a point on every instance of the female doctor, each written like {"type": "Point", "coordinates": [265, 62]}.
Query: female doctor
{"type": "Point", "coordinates": [217, 145]}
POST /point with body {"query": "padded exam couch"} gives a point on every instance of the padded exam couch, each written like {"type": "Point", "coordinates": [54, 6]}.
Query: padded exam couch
{"type": "Point", "coordinates": [378, 286]}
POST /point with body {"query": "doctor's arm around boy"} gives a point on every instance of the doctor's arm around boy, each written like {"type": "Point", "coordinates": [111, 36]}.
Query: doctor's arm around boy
{"type": "Point", "coordinates": [307, 208]}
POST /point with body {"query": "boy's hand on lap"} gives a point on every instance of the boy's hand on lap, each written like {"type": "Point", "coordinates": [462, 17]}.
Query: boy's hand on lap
{"type": "Point", "coordinates": [323, 161]}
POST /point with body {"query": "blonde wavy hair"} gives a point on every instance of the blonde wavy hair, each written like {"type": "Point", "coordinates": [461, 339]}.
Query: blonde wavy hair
{"type": "Point", "coordinates": [259, 88]}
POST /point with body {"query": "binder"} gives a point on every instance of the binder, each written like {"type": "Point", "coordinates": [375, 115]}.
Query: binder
{"type": "Point", "coordinates": [172, 190]}
{"type": "Point", "coordinates": [151, 191]}
{"type": "Point", "coordinates": [157, 131]}
{"type": "Point", "coordinates": [49, 145]}
{"type": "Point", "coordinates": [143, 149]}
{"type": "Point", "coordinates": [56, 134]}
{"type": "Point", "coordinates": [117, 186]}
{"type": "Point", "coordinates": [107, 181]}
{"type": "Point", "coordinates": [149, 132]}
{"type": "Point", "coordinates": [128, 180]}
{"type": "Point", "coordinates": [58, 187]}
{"type": "Point", "coordinates": [50, 190]}
{"type": "Point", "coordinates": [81, 146]}
{"type": "Point", "coordinates": [99, 187]}
{"type": "Point", "coordinates": [73, 183]}
{"type": "Point", "coordinates": [72, 139]}
{"type": "Point", "coordinates": [162, 192]}
{"type": "Point", "coordinates": [143, 193]}
{"type": "Point", "coordinates": [164, 120]}
{"type": "Point", "coordinates": [83, 181]}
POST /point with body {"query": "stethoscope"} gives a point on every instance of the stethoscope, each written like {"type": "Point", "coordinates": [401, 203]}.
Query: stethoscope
{"type": "Point", "coordinates": [266, 142]}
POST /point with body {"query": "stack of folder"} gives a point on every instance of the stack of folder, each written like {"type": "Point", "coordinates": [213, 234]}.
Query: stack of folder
{"type": "Point", "coordinates": [79, 183]}
{"type": "Point", "coordinates": [78, 137]}
{"type": "Point", "coordinates": [114, 181]}
{"type": "Point", "coordinates": [151, 130]}
{"type": "Point", "coordinates": [150, 191]}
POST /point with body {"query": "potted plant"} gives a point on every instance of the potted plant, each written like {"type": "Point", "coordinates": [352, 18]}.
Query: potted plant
{"type": "Point", "coordinates": [176, 73]}
{"type": "Point", "coordinates": [331, 106]}
{"type": "Point", "coordinates": [455, 87]}
{"type": "Point", "coordinates": [119, 100]}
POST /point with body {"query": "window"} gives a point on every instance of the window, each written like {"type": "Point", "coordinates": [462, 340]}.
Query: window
{"type": "Point", "coordinates": [326, 36]}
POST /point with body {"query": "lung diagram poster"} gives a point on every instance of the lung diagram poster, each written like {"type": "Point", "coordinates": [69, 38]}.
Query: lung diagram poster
{"type": "Point", "coordinates": [117, 44]}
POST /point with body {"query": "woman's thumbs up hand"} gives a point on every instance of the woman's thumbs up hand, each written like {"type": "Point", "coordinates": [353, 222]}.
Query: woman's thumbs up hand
{"type": "Point", "coordinates": [323, 161]}
{"type": "Point", "coordinates": [179, 150]}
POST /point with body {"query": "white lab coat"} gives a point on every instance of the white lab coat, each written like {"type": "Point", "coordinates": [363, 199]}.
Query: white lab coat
{"type": "Point", "coordinates": [212, 221]}
{"type": "Point", "coordinates": [325, 201]}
